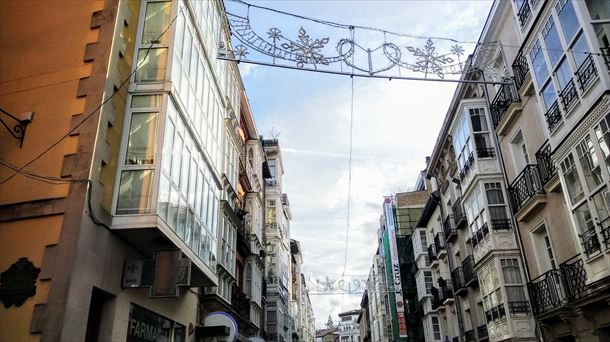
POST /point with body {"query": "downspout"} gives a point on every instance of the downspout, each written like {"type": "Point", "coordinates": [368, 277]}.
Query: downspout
{"type": "Point", "coordinates": [458, 306]}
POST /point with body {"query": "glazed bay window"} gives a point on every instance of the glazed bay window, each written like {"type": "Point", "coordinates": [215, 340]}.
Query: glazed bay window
{"type": "Point", "coordinates": [152, 54]}
{"type": "Point", "coordinates": [497, 207]}
{"type": "Point", "coordinates": [477, 222]}
{"type": "Point", "coordinates": [480, 131]}
{"type": "Point", "coordinates": [572, 179]}
{"type": "Point", "coordinates": [589, 163]}
{"type": "Point", "coordinates": [462, 145]}
{"type": "Point", "coordinates": [135, 192]}
{"type": "Point", "coordinates": [514, 287]}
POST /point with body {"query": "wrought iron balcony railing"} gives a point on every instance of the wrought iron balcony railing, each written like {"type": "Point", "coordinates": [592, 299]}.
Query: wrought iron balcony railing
{"type": "Point", "coordinates": [575, 277]}
{"type": "Point", "coordinates": [432, 255]}
{"type": "Point", "coordinates": [547, 292]}
{"type": "Point", "coordinates": [568, 95]}
{"type": "Point", "coordinates": [524, 13]}
{"type": "Point", "coordinates": [546, 167]}
{"type": "Point", "coordinates": [445, 290]}
{"type": "Point", "coordinates": [459, 216]}
{"type": "Point", "coordinates": [500, 224]}
{"type": "Point", "coordinates": [495, 313]}
{"type": "Point", "coordinates": [482, 331]}
{"type": "Point", "coordinates": [553, 116]}
{"type": "Point", "coordinates": [439, 241]}
{"type": "Point", "coordinates": [470, 276]}
{"type": "Point", "coordinates": [518, 308]}
{"type": "Point", "coordinates": [469, 335]}
{"type": "Point", "coordinates": [486, 152]}
{"type": "Point", "coordinates": [467, 165]}
{"type": "Point", "coordinates": [449, 228]}
{"type": "Point", "coordinates": [240, 303]}
{"type": "Point", "coordinates": [527, 184]}
{"type": "Point", "coordinates": [480, 235]}
{"type": "Point", "coordinates": [590, 242]}
{"type": "Point", "coordinates": [436, 302]}
{"type": "Point", "coordinates": [457, 278]}
{"type": "Point", "coordinates": [507, 94]}
{"type": "Point", "coordinates": [606, 55]}
{"type": "Point", "coordinates": [520, 69]}
{"type": "Point", "coordinates": [586, 73]}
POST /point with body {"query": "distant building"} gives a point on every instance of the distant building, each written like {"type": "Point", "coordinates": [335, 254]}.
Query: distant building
{"type": "Point", "coordinates": [347, 328]}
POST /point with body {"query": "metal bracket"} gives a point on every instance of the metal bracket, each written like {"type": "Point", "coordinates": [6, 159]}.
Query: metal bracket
{"type": "Point", "coordinates": [17, 131]}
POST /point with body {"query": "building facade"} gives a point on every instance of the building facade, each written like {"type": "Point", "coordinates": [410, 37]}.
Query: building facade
{"type": "Point", "coordinates": [347, 328]}
{"type": "Point", "coordinates": [377, 304]}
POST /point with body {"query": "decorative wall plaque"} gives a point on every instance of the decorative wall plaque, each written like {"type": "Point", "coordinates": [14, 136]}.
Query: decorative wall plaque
{"type": "Point", "coordinates": [18, 282]}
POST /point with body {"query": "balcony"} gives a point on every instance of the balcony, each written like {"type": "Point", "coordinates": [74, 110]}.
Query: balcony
{"type": "Point", "coordinates": [469, 335]}
{"type": "Point", "coordinates": [521, 71]}
{"type": "Point", "coordinates": [482, 332]}
{"type": "Point", "coordinates": [480, 235]}
{"type": "Point", "coordinates": [546, 167]}
{"type": "Point", "coordinates": [586, 73]}
{"type": "Point", "coordinates": [470, 276]}
{"type": "Point", "coordinates": [486, 152]}
{"type": "Point", "coordinates": [436, 302]}
{"type": "Point", "coordinates": [445, 291]}
{"type": "Point", "coordinates": [553, 116]}
{"type": "Point", "coordinates": [240, 303]}
{"type": "Point", "coordinates": [495, 313]}
{"type": "Point", "coordinates": [524, 13]}
{"type": "Point", "coordinates": [527, 192]}
{"type": "Point", "coordinates": [439, 242]}
{"type": "Point", "coordinates": [432, 255]}
{"type": "Point", "coordinates": [459, 216]}
{"type": "Point", "coordinates": [504, 107]}
{"type": "Point", "coordinates": [449, 228]}
{"type": "Point", "coordinates": [558, 287]}
{"type": "Point", "coordinates": [519, 308]}
{"type": "Point", "coordinates": [457, 278]}
{"type": "Point", "coordinates": [568, 95]}
{"type": "Point", "coordinates": [590, 242]}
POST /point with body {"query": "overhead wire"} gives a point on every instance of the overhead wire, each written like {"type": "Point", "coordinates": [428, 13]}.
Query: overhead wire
{"type": "Point", "coordinates": [88, 116]}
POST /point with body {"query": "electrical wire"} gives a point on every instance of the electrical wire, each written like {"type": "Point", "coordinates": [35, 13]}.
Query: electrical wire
{"type": "Point", "coordinates": [349, 175]}
{"type": "Point", "coordinates": [88, 116]}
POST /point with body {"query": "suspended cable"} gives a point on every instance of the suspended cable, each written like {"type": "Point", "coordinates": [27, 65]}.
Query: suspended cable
{"type": "Point", "coordinates": [98, 107]}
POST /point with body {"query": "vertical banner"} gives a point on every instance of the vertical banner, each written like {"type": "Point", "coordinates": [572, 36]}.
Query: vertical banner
{"type": "Point", "coordinates": [396, 284]}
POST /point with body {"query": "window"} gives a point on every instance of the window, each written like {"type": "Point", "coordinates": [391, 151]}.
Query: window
{"type": "Point", "coordinates": [428, 281]}
{"type": "Point", "coordinates": [515, 290]}
{"type": "Point", "coordinates": [480, 131]}
{"type": "Point", "coordinates": [152, 64]}
{"type": "Point", "coordinates": [519, 152]}
{"type": "Point", "coordinates": [156, 21]}
{"type": "Point", "coordinates": [436, 328]}
{"type": "Point", "coordinates": [572, 180]}
{"type": "Point", "coordinates": [589, 163]}
{"type": "Point", "coordinates": [134, 192]}
{"type": "Point", "coordinates": [567, 18]}
{"type": "Point", "coordinates": [539, 64]}
{"type": "Point", "coordinates": [497, 206]}
{"type": "Point", "coordinates": [423, 238]}
{"type": "Point", "coordinates": [602, 133]}
{"type": "Point", "coordinates": [462, 147]}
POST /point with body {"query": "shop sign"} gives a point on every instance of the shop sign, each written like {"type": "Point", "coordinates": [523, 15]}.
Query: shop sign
{"type": "Point", "coordinates": [147, 326]}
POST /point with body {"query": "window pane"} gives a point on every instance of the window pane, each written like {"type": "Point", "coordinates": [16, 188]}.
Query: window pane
{"type": "Point", "coordinates": [563, 73]}
{"type": "Point", "coordinates": [567, 18]}
{"type": "Point", "coordinates": [570, 174]}
{"type": "Point", "coordinates": [583, 217]}
{"type": "Point", "coordinates": [548, 95]}
{"type": "Point", "coordinates": [498, 213]}
{"type": "Point", "coordinates": [163, 201]}
{"type": "Point", "coordinates": [539, 65]}
{"type": "Point", "coordinates": [142, 139]}
{"type": "Point", "coordinates": [168, 143]}
{"type": "Point", "coordinates": [152, 66]}
{"type": "Point", "coordinates": [601, 200]}
{"type": "Point", "coordinates": [552, 43]}
{"type": "Point", "coordinates": [134, 192]}
{"type": "Point", "coordinates": [515, 294]}
{"type": "Point", "coordinates": [580, 50]}
{"type": "Point", "coordinates": [172, 214]}
{"type": "Point", "coordinates": [589, 163]}
{"type": "Point", "coordinates": [157, 20]}
{"type": "Point", "coordinates": [145, 101]}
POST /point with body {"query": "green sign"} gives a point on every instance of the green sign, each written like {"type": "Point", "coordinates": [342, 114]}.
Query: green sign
{"type": "Point", "coordinates": [147, 326]}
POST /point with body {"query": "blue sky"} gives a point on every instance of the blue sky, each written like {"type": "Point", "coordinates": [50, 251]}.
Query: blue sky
{"type": "Point", "coordinates": [395, 127]}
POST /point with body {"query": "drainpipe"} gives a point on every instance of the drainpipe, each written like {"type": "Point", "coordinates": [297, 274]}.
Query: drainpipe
{"type": "Point", "coordinates": [458, 306]}
{"type": "Point", "coordinates": [517, 231]}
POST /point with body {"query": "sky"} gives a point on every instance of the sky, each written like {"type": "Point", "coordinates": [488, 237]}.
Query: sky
{"type": "Point", "coordinates": [395, 125]}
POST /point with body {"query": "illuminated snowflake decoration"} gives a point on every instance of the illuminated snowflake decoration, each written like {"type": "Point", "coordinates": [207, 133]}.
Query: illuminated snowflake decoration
{"type": "Point", "coordinates": [307, 50]}
{"type": "Point", "coordinates": [429, 61]}
{"type": "Point", "coordinates": [457, 50]}
{"type": "Point", "coordinates": [274, 33]}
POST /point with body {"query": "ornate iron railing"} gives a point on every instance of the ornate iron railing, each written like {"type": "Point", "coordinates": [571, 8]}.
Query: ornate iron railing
{"type": "Point", "coordinates": [495, 313]}
{"type": "Point", "coordinates": [439, 241]}
{"type": "Point", "coordinates": [436, 302]}
{"type": "Point", "coordinates": [524, 13]}
{"type": "Point", "coordinates": [468, 268]}
{"type": "Point", "coordinates": [527, 184]}
{"type": "Point", "coordinates": [501, 224]}
{"type": "Point", "coordinates": [518, 307]}
{"type": "Point", "coordinates": [432, 255]}
{"type": "Point", "coordinates": [605, 227]}
{"type": "Point", "coordinates": [482, 331]}
{"type": "Point", "coordinates": [486, 152]}
{"type": "Point", "coordinates": [568, 95]}
{"type": "Point", "coordinates": [547, 292]}
{"type": "Point", "coordinates": [520, 69]}
{"type": "Point", "coordinates": [546, 167]}
{"type": "Point", "coordinates": [459, 216]}
{"type": "Point", "coordinates": [553, 116]}
{"type": "Point", "coordinates": [457, 278]}
{"type": "Point", "coordinates": [606, 55]}
{"type": "Point", "coordinates": [445, 290]}
{"type": "Point", "coordinates": [467, 165]}
{"type": "Point", "coordinates": [504, 98]}
{"type": "Point", "coordinates": [586, 73]}
{"type": "Point", "coordinates": [480, 235]}
{"type": "Point", "coordinates": [240, 303]}
{"type": "Point", "coordinates": [575, 277]}
{"type": "Point", "coordinates": [590, 242]}
{"type": "Point", "coordinates": [449, 228]}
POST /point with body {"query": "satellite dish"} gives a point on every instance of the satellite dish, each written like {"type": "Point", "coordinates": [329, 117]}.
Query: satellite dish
{"type": "Point", "coordinates": [220, 318]}
{"type": "Point", "coordinates": [256, 339]}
